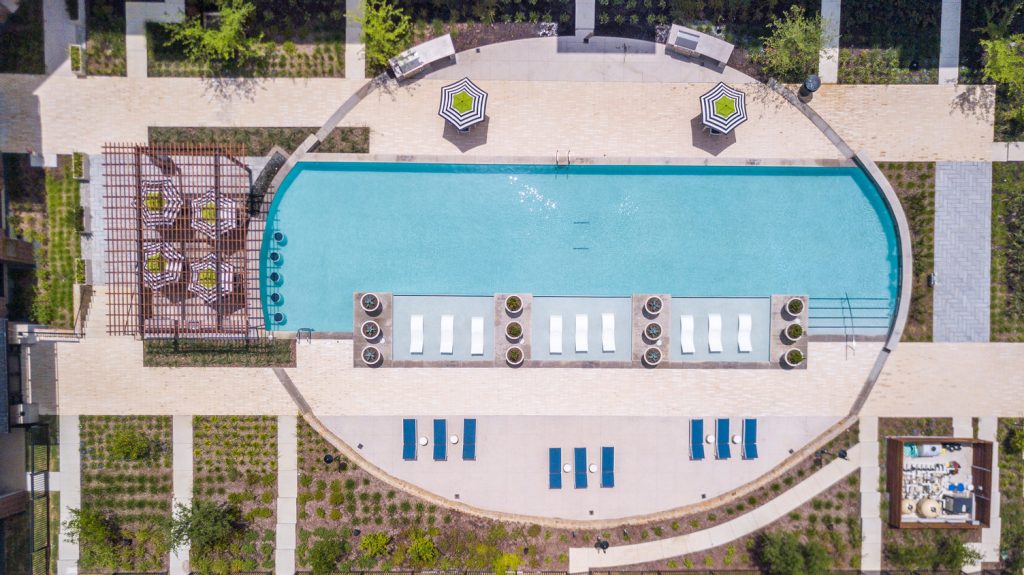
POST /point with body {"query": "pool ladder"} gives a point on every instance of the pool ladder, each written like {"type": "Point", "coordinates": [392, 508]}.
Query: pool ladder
{"type": "Point", "coordinates": [558, 162]}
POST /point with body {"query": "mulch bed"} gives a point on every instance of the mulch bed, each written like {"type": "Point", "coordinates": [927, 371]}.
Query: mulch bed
{"type": "Point", "coordinates": [466, 36]}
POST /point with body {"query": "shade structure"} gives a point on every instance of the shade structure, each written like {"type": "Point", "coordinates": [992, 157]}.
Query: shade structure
{"type": "Point", "coordinates": [160, 202]}
{"type": "Point", "coordinates": [723, 108]}
{"type": "Point", "coordinates": [161, 264]}
{"type": "Point", "coordinates": [213, 215]}
{"type": "Point", "coordinates": [208, 280]}
{"type": "Point", "coordinates": [463, 104]}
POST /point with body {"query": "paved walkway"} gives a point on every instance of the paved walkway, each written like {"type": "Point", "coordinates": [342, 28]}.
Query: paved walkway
{"type": "Point", "coordinates": [962, 427]}
{"type": "Point", "coordinates": [181, 441]}
{"type": "Point", "coordinates": [1008, 151]}
{"type": "Point", "coordinates": [963, 239]}
{"type": "Point", "coordinates": [583, 558]}
{"type": "Point", "coordinates": [949, 42]}
{"type": "Point", "coordinates": [355, 51]}
{"type": "Point", "coordinates": [987, 429]}
{"type": "Point", "coordinates": [287, 492]}
{"type": "Point", "coordinates": [828, 64]}
{"type": "Point", "coordinates": [71, 491]}
{"type": "Point", "coordinates": [585, 18]}
{"type": "Point", "coordinates": [59, 30]}
{"type": "Point", "coordinates": [136, 16]}
{"type": "Point", "coordinates": [870, 498]}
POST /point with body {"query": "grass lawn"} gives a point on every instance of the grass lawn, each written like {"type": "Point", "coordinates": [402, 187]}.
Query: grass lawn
{"type": "Point", "coordinates": [21, 40]}
{"type": "Point", "coordinates": [105, 53]}
{"type": "Point", "coordinates": [218, 353]}
{"type": "Point", "coordinates": [137, 492]}
{"type": "Point", "coordinates": [236, 463]}
{"type": "Point", "coordinates": [880, 66]}
{"type": "Point", "coordinates": [436, 12]}
{"type": "Point", "coordinates": [1007, 317]}
{"type": "Point", "coordinates": [914, 183]}
{"type": "Point", "coordinates": [259, 141]}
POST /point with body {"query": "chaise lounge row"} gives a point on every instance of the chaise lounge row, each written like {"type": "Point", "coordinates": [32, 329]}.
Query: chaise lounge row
{"type": "Point", "coordinates": [409, 441]}
{"type": "Point", "coordinates": [580, 468]}
{"type": "Point", "coordinates": [447, 335]}
{"type": "Point", "coordinates": [715, 333]}
{"type": "Point", "coordinates": [723, 449]}
{"type": "Point", "coordinates": [582, 333]}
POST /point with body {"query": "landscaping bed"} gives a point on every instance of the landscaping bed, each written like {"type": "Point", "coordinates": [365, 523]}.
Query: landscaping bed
{"type": "Point", "coordinates": [437, 13]}
{"type": "Point", "coordinates": [880, 66]}
{"type": "Point", "coordinates": [336, 498]}
{"type": "Point", "coordinates": [1007, 313]}
{"type": "Point", "coordinates": [467, 35]}
{"type": "Point", "coordinates": [236, 463]}
{"type": "Point", "coordinates": [1011, 492]}
{"type": "Point", "coordinates": [218, 353]}
{"type": "Point", "coordinates": [105, 52]}
{"type": "Point", "coordinates": [989, 19]}
{"type": "Point", "coordinates": [21, 41]}
{"type": "Point", "coordinates": [910, 27]}
{"type": "Point", "coordinates": [914, 183]}
{"type": "Point", "coordinates": [832, 518]}
{"type": "Point", "coordinates": [259, 141]}
{"type": "Point", "coordinates": [126, 472]}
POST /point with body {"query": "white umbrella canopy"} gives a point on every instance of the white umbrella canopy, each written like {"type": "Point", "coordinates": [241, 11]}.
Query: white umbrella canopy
{"type": "Point", "coordinates": [723, 108]}
{"type": "Point", "coordinates": [160, 202]}
{"type": "Point", "coordinates": [161, 264]}
{"type": "Point", "coordinates": [463, 104]}
{"type": "Point", "coordinates": [208, 280]}
{"type": "Point", "coordinates": [212, 215]}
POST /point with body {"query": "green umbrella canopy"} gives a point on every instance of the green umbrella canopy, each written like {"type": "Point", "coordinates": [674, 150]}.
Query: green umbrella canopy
{"type": "Point", "coordinates": [462, 102]}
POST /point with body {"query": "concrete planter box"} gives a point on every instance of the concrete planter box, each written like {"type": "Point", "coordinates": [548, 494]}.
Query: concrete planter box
{"type": "Point", "coordinates": [76, 53]}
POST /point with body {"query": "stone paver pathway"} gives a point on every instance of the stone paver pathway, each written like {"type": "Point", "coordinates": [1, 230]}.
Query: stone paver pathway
{"type": "Point", "coordinates": [828, 64]}
{"type": "Point", "coordinates": [136, 16]}
{"type": "Point", "coordinates": [987, 429]}
{"type": "Point", "coordinates": [287, 492]}
{"type": "Point", "coordinates": [949, 42]}
{"type": "Point", "coordinates": [355, 51]}
{"type": "Point", "coordinates": [585, 18]}
{"type": "Point", "coordinates": [59, 30]}
{"type": "Point", "coordinates": [870, 498]}
{"type": "Point", "coordinates": [963, 234]}
{"type": "Point", "coordinates": [1008, 151]}
{"type": "Point", "coordinates": [71, 490]}
{"type": "Point", "coordinates": [582, 559]}
{"type": "Point", "coordinates": [962, 427]}
{"type": "Point", "coordinates": [182, 474]}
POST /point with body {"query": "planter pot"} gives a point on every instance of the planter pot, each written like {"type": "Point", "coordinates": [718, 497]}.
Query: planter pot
{"type": "Point", "coordinates": [80, 166]}
{"type": "Point", "coordinates": [793, 332]}
{"type": "Point", "coordinates": [793, 358]}
{"type": "Point", "coordinates": [514, 356]}
{"type": "Point", "coordinates": [652, 332]}
{"type": "Point", "coordinates": [76, 53]}
{"type": "Point", "coordinates": [370, 330]}
{"type": "Point", "coordinates": [652, 356]}
{"type": "Point", "coordinates": [513, 305]}
{"type": "Point", "coordinates": [514, 331]}
{"type": "Point", "coordinates": [653, 305]}
{"type": "Point", "coordinates": [370, 303]}
{"type": "Point", "coordinates": [370, 356]}
{"type": "Point", "coordinates": [794, 307]}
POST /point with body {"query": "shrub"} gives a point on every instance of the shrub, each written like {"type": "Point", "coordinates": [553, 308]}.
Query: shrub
{"type": "Point", "coordinates": [422, 551]}
{"type": "Point", "coordinates": [791, 50]}
{"type": "Point", "coordinates": [387, 30]}
{"type": "Point", "coordinates": [1015, 441]}
{"type": "Point", "coordinates": [506, 562]}
{"type": "Point", "coordinates": [205, 525]}
{"type": "Point", "coordinates": [782, 553]}
{"type": "Point", "coordinates": [325, 555]}
{"type": "Point", "coordinates": [130, 445]}
{"type": "Point", "coordinates": [374, 544]}
{"type": "Point", "coordinates": [226, 44]}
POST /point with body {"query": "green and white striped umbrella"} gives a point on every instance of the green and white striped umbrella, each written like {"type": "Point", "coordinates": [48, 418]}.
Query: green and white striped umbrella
{"type": "Point", "coordinates": [723, 108]}
{"type": "Point", "coordinates": [208, 280]}
{"type": "Point", "coordinates": [161, 264]}
{"type": "Point", "coordinates": [463, 104]}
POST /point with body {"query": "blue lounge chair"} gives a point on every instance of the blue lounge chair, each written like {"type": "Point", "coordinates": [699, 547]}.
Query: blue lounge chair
{"type": "Point", "coordinates": [607, 467]}
{"type": "Point", "coordinates": [580, 460]}
{"type": "Point", "coordinates": [554, 468]}
{"type": "Point", "coordinates": [469, 439]}
{"type": "Point", "coordinates": [440, 440]}
{"type": "Point", "coordinates": [722, 450]}
{"type": "Point", "coordinates": [749, 439]}
{"type": "Point", "coordinates": [697, 439]}
{"type": "Point", "coordinates": [409, 439]}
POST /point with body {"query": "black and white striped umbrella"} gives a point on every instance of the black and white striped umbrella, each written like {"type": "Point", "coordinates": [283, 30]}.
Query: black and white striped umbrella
{"type": "Point", "coordinates": [463, 104]}
{"type": "Point", "coordinates": [723, 108]}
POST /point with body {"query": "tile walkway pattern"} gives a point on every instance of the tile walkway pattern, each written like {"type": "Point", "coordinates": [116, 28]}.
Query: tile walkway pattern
{"type": "Point", "coordinates": [71, 491]}
{"type": "Point", "coordinates": [355, 52]}
{"type": "Point", "coordinates": [949, 42]}
{"type": "Point", "coordinates": [828, 64]}
{"type": "Point", "coordinates": [182, 475]}
{"type": "Point", "coordinates": [870, 498]}
{"type": "Point", "coordinates": [287, 492]}
{"type": "Point", "coordinates": [582, 559]}
{"type": "Point", "coordinates": [963, 236]}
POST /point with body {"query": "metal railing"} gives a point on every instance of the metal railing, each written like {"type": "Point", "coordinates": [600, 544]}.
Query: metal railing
{"type": "Point", "coordinates": [38, 437]}
{"type": "Point", "coordinates": [848, 314]}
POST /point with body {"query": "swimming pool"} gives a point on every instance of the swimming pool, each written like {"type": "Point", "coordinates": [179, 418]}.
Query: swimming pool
{"type": "Point", "coordinates": [583, 230]}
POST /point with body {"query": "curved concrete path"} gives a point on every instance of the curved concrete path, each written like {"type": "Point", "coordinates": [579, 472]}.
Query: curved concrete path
{"type": "Point", "coordinates": [582, 559]}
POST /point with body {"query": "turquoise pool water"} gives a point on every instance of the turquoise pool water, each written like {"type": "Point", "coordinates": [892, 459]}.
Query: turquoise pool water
{"type": "Point", "coordinates": [584, 230]}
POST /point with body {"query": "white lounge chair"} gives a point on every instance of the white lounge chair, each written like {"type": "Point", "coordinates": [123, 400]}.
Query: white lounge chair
{"type": "Point", "coordinates": [447, 334]}
{"type": "Point", "coordinates": [715, 333]}
{"type": "Point", "coordinates": [608, 332]}
{"type": "Point", "coordinates": [555, 335]}
{"type": "Point", "coordinates": [582, 333]}
{"type": "Point", "coordinates": [476, 346]}
{"type": "Point", "coordinates": [415, 334]}
{"type": "Point", "coordinates": [743, 336]}
{"type": "Point", "coordinates": [686, 334]}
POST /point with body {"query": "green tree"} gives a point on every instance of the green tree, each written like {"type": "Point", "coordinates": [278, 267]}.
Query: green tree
{"type": "Point", "coordinates": [817, 560]}
{"type": "Point", "coordinates": [1004, 64]}
{"type": "Point", "coordinates": [228, 44]}
{"type": "Point", "coordinates": [422, 551]}
{"type": "Point", "coordinates": [952, 554]}
{"type": "Point", "coordinates": [1014, 443]}
{"type": "Point", "coordinates": [780, 553]}
{"type": "Point", "coordinates": [130, 445]}
{"type": "Point", "coordinates": [387, 31]}
{"type": "Point", "coordinates": [792, 48]}
{"type": "Point", "coordinates": [325, 555]}
{"type": "Point", "coordinates": [205, 525]}
{"type": "Point", "coordinates": [374, 544]}
{"type": "Point", "coordinates": [88, 526]}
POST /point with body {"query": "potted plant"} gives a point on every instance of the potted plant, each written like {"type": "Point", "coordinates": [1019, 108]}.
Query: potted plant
{"type": "Point", "coordinates": [652, 356]}
{"type": "Point", "coordinates": [793, 357]}
{"type": "Point", "coordinates": [76, 54]}
{"type": "Point", "coordinates": [513, 305]}
{"type": "Point", "coordinates": [370, 330]}
{"type": "Point", "coordinates": [652, 332]}
{"type": "Point", "coordinates": [80, 166]}
{"type": "Point", "coordinates": [514, 356]}
{"type": "Point", "coordinates": [513, 331]}
{"type": "Point", "coordinates": [653, 305]}
{"type": "Point", "coordinates": [794, 332]}
{"type": "Point", "coordinates": [371, 356]}
{"type": "Point", "coordinates": [795, 307]}
{"type": "Point", "coordinates": [370, 303]}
